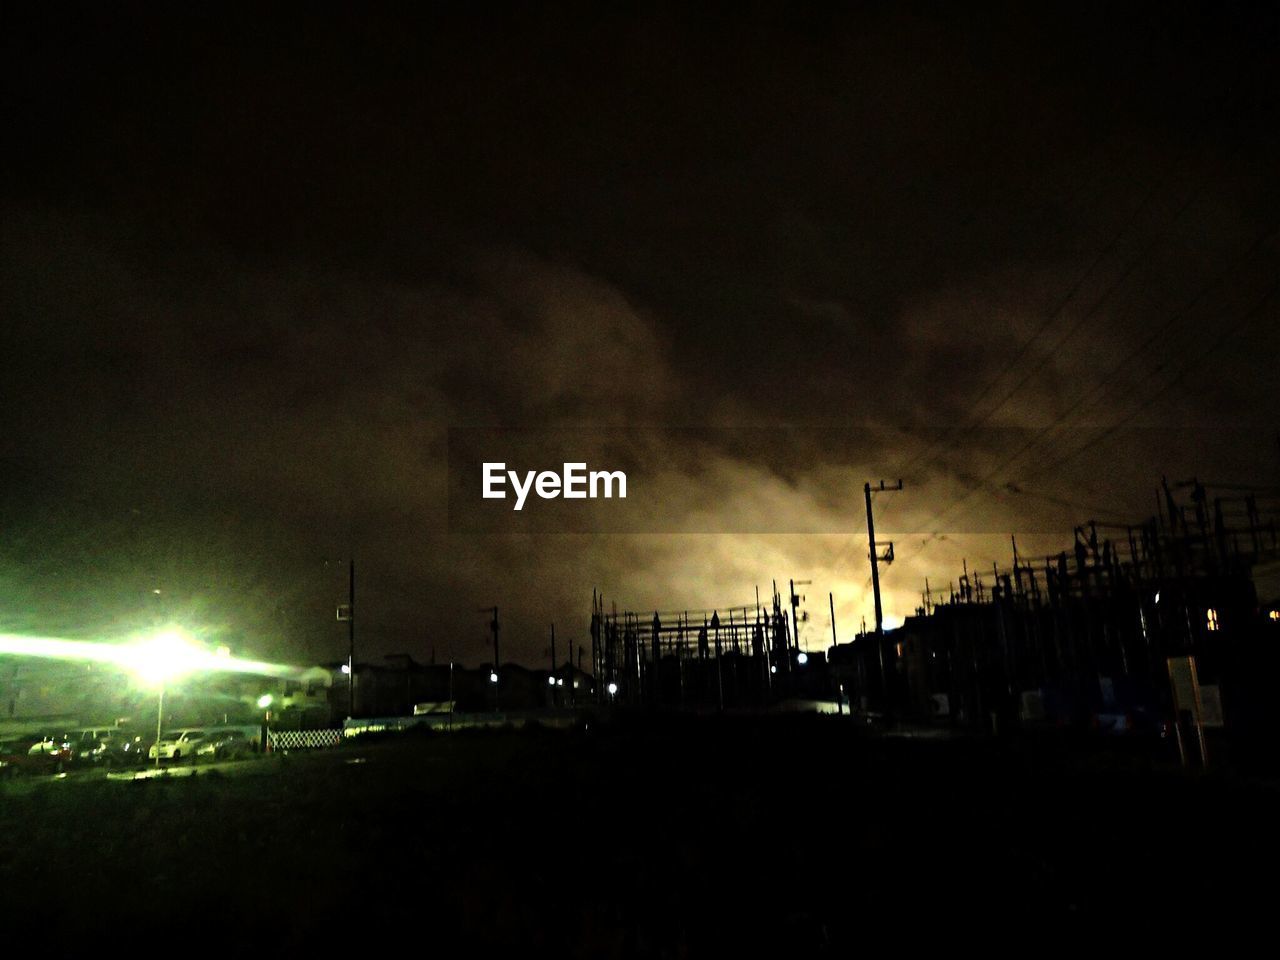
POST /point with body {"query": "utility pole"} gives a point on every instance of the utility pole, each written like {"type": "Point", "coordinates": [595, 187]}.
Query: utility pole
{"type": "Point", "coordinates": [493, 672]}
{"type": "Point", "coordinates": [351, 635]}
{"type": "Point", "coordinates": [876, 559]}
{"type": "Point", "coordinates": [780, 643]}
{"type": "Point", "coordinates": [831, 599]}
{"type": "Point", "coordinates": [347, 611]}
{"type": "Point", "coordinates": [795, 618]}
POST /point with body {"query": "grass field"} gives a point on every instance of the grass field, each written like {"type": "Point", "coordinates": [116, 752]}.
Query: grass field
{"type": "Point", "coordinates": [695, 837]}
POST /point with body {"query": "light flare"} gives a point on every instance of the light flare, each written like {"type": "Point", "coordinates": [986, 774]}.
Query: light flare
{"type": "Point", "coordinates": [155, 660]}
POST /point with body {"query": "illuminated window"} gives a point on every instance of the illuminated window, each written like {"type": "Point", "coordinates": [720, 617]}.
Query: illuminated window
{"type": "Point", "coordinates": [1275, 614]}
{"type": "Point", "coordinates": [1211, 619]}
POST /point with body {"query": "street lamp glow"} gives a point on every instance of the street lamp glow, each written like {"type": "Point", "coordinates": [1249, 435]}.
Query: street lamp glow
{"type": "Point", "coordinates": [613, 688]}
{"type": "Point", "coordinates": [802, 659]}
{"type": "Point", "coordinates": [165, 657]}
{"type": "Point", "coordinates": [159, 661]}
{"type": "Point", "coordinates": [153, 658]}
{"type": "Point", "coordinates": [493, 676]}
{"type": "Point", "coordinates": [265, 701]}
{"type": "Point", "coordinates": [551, 681]}
{"type": "Point", "coordinates": [346, 668]}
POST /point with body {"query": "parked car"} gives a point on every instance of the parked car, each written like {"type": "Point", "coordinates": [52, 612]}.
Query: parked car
{"type": "Point", "coordinates": [25, 756]}
{"type": "Point", "coordinates": [108, 746]}
{"type": "Point", "coordinates": [179, 744]}
{"type": "Point", "coordinates": [57, 749]}
{"type": "Point", "coordinates": [131, 750]}
{"type": "Point", "coordinates": [224, 745]}
{"type": "Point", "coordinates": [114, 746]}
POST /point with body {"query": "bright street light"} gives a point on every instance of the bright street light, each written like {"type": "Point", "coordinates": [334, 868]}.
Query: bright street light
{"type": "Point", "coordinates": [165, 657]}
{"type": "Point", "coordinates": [265, 701]}
{"type": "Point", "coordinates": [157, 660]}
{"type": "Point", "coordinates": [802, 659]}
{"type": "Point", "coordinates": [162, 659]}
{"type": "Point", "coordinates": [613, 688]}
{"type": "Point", "coordinates": [493, 676]}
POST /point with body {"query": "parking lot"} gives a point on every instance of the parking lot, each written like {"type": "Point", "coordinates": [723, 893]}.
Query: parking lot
{"type": "Point", "coordinates": [249, 766]}
{"type": "Point", "coordinates": [117, 748]}
{"type": "Point", "coordinates": [794, 835]}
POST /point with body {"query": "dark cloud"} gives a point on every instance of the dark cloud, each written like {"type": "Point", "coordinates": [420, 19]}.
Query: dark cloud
{"type": "Point", "coordinates": [258, 263]}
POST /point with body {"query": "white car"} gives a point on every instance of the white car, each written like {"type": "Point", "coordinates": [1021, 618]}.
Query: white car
{"type": "Point", "coordinates": [179, 744]}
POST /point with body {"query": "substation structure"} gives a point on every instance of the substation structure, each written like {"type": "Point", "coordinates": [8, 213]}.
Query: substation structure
{"type": "Point", "coordinates": [730, 657]}
{"type": "Point", "coordinates": [1096, 635]}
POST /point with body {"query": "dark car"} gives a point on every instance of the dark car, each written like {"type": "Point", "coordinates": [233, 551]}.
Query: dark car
{"type": "Point", "coordinates": [27, 756]}
{"type": "Point", "coordinates": [107, 746]}
{"type": "Point", "coordinates": [224, 745]}
{"type": "Point", "coordinates": [131, 750]}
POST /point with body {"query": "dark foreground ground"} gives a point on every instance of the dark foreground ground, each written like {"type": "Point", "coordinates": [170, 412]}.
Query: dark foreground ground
{"type": "Point", "coordinates": [785, 836]}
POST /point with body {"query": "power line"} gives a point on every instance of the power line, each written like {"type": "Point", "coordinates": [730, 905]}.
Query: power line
{"type": "Point", "coordinates": [1231, 331]}
{"type": "Point", "coordinates": [1245, 320]}
{"type": "Point", "coordinates": [1084, 318]}
{"type": "Point", "coordinates": [1094, 510]}
{"type": "Point", "coordinates": [1137, 351]}
{"type": "Point", "coordinates": [1061, 418]}
{"type": "Point", "coordinates": [1101, 388]}
{"type": "Point", "coordinates": [965, 431]}
{"type": "Point", "coordinates": [1052, 316]}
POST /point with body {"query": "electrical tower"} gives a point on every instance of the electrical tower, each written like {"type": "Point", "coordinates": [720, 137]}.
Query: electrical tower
{"type": "Point", "coordinates": [876, 557]}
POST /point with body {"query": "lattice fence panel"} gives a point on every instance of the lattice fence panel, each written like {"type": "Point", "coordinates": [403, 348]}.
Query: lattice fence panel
{"type": "Point", "coordinates": [304, 739]}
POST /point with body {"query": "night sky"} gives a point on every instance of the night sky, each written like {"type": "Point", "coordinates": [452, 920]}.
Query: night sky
{"type": "Point", "coordinates": [260, 260]}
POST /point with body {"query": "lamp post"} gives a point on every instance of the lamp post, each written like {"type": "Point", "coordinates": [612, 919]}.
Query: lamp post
{"type": "Point", "coordinates": [159, 661]}
{"type": "Point", "coordinates": [347, 613]}
{"type": "Point", "coordinates": [159, 723]}
{"type": "Point", "coordinates": [264, 703]}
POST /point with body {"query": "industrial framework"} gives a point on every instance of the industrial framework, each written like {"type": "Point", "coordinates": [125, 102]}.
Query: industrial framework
{"type": "Point", "coordinates": [729, 656]}
{"type": "Point", "coordinates": [1090, 636]}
